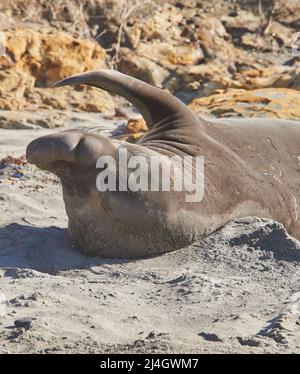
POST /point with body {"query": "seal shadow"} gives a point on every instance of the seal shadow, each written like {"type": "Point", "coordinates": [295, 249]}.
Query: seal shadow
{"type": "Point", "coordinates": [50, 250]}
{"type": "Point", "coordinates": [44, 249]}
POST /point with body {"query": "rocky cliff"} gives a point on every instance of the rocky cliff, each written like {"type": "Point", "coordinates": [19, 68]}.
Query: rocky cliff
{"type": "Point", "coordinates": [208, 53]}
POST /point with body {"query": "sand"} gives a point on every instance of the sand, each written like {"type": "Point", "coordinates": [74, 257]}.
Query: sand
{"type": "Point", "coordinates": [237, 291]}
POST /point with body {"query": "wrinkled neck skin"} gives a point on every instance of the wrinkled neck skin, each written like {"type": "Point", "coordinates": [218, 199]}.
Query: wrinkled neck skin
{"type": "Point", "coordinates": [155, 222]}
{"type": "Point", "coordinates": [140, 224]}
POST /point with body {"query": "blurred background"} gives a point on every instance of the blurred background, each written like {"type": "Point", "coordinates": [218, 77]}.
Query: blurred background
{"type": "Point", "coordinates": [223, 58]}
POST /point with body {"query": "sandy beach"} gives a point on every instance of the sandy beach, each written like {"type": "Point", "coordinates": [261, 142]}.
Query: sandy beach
{"type": "Point", "coordinates": [236, 291]}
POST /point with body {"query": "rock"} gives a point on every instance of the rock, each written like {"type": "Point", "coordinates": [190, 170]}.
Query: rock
{"type": "Point", "coordinates": [31, 59]}
{"type": "Point", "coordinates": [169, 55]}
{"type": "Point", "coordinates": [268, 102]}
{"type": "Point", "coordinates": [273, 76]}
{"type": "Point", "coordinates": [14, 85]}
{"type": "Point", "coordinates": [253, 41]}
{"type": "Point", "coordinates": [134, 129]}
{"type": "Point", "coordinates": [192, 53]}
{"type": "Point", "coordinates": [210, 337]}
{"type": "Point", "coordinates": [136, 125]}
{"type": "Point", "coordinates": [171, 45]}
{"type": "Point", "coordinates": [211, 34]}
{"type": "Point", "coordinates": [210, 78]}
{"type": "Point", "coordinates": [280, 32]}
{"type": "Point", "coordinates": [193, 49]}
{"type": "Point", "coordinates": [241, 22]}
{"type": "Point", "coordinates": [249, 341]}
{"type": "Point", "coordinates": [154, 62]}
{"type": "Point", "coordinates": [165, 62]}
{"type": "Point", "coordinates": [287, 12]}
{"type": "Point", "coordinates": [26, 322]}
{"type": "Point", "coordinates": [49, 57]}
{"type": "Point", "coordinates": [83, 99]}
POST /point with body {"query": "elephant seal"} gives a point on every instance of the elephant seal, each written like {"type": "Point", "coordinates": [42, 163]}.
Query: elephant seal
{"type": "Point", "coordinates": [251, 167]}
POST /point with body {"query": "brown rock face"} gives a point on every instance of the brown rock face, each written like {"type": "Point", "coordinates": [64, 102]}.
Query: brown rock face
{"type": "Point", "coordinates": [192, 48]}
{"type": "Point", "coordinates": [172, 43]}
{"type": "Point", "coordinates": [30, 60]}
{"type": "Point", "coordinates": [136, 125]}
{"type": "Point", "coordinates": [135, 129]}
{"type": "Point", "coordinates": [50, 57]}
{"type": "Point", "coordinates": [196, 48]}
{"type": "Point", "coordinates": [271, 76]}
{"type": "Point", "coordinates": [281, 103]}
